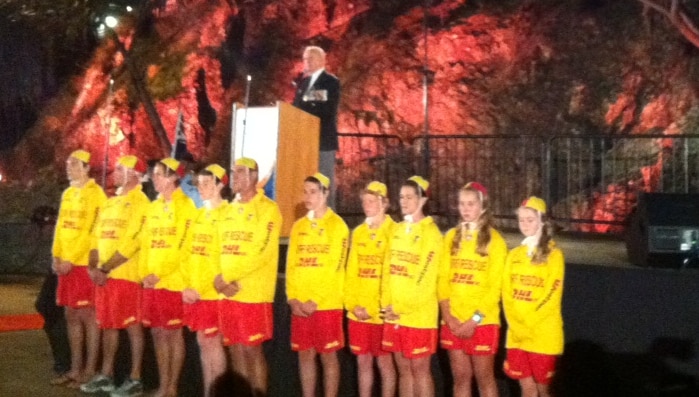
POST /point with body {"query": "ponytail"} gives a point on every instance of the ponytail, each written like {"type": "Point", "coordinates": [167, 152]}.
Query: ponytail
{"type": "Point", "coordinates": [543, 249]}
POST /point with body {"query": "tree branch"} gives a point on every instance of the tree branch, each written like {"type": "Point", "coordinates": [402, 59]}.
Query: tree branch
{"type": "Point", "coordinates": [678, 18]}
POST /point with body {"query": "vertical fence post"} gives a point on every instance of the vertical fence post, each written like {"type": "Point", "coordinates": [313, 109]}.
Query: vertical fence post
{"type": "Point", "coordinates": [685, 164]}
{"type": "Point", "coordinates": [546, 144]}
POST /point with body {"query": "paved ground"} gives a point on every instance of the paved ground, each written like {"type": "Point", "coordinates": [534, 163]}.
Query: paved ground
{"type": "Point", "coordinates": [25, 367]}
{"type": "Point", "coordinates": [19, 293]}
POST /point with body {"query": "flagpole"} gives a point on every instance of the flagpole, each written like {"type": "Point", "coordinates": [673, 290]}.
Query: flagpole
{"type": "Point", "coordinates": [427, 76]}
{"type": "Point", "coordinates": [245, 115]}
{"type": "Point", "coordinates": [179, 134]}
{"type": "Point", "coordinates": [107, 135]}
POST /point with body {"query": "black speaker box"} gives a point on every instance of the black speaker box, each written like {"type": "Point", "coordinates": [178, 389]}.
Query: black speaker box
{"type": "Point", "coordinates": [661, 229]}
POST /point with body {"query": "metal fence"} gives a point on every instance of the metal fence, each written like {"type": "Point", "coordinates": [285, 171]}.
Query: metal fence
{"type": "Point", "coordinates": [590, 182]}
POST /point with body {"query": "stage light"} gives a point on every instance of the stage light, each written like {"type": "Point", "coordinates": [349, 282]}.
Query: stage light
{"type": "Point", "coordinates": [111, 21]}
{"type": "Point", "coordinates": [129, 8]}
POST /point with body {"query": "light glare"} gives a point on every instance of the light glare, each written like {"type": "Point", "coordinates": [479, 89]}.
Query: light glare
{"type": "Point", "coordinates": [111, 21]}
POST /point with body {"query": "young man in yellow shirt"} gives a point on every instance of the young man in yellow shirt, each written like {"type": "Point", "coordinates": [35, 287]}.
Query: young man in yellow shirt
{"type": "Point", "coordinates": [201, 262]}
{"type": "Point", "coordinates": [118, 291]}
{"type": "Point", "coordinates": [249, 235]}
{"type": "Point", "coordinates": [409, 293]}
{"type": "Point", "coordinates": [77, 218]}
{"type": "Point", "coordinates": [167, 221]}
{"type": "Point", "coordinates": [363, 291]}
{"type": "Point", "coordinates": [315, 272]}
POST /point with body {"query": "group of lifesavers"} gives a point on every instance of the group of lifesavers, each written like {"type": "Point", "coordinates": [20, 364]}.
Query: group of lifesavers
{"type": "Point", "coordinates": [126, 262]}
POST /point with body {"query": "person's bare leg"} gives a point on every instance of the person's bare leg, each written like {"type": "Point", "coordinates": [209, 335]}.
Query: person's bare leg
{"type": "Point", "coordinates": [528, 387]}
{"type": "Point", "coordinates": [388, 375]}
{"type": "Point", "coordinates": [213, 359]}
{"type": "Point", "coordinates": [483, 368]}
{"type": "Point", "coordinates": [92, 340]}
{"type": "Point", "coordinates": [75, 340]}
{"type": "Point", "coordinates": [238, 360]}
{"type": "Point", "coordinates": [462, 372]}
{"type": "Point", "coordinates": [110, 344]}
{"type": "Point", "coordinates": [308, 372]}
{"type": "Point", "coordinates": [162, 355]}
{"type": "Point", "coordinates": [544, 390]}
{"type": "Point", "coordinates": [175, 339]}
{"type": "Point", "coordinates": [331, 373]}
{"type": "Point", "coordinates": [136, 339]}
{"type": "Point", "coordinates": [257, 368]}
{"type": "Point", "coordinates": [405, 376]}
{"type": "Point", "coordinates": [365, 374]}
{"type": "Point", "coordinates": [422, 375]}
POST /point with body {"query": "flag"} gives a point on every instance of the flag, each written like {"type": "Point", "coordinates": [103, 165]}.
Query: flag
{"type": "Point", "coordinates": [116, 135]}
{"type": "Point", "coordinates": [179, 147]}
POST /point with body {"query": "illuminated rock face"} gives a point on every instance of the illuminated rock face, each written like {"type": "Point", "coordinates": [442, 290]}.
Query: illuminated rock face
{"type": "Point", "coordinates": [495, 68]}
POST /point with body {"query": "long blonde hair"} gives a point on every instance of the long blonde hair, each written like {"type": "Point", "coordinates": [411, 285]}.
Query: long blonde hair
{"type": "Point", "coordinates": [485, 222]}
{"type": "Point", "coordinates": [543, 249]}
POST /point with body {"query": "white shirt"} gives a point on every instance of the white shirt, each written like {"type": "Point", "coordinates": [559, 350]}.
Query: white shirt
{"type": "Point", "coordinates": [314, 77]}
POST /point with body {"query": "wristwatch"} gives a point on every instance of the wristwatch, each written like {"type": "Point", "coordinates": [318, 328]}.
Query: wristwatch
{"type": "Point", "coordinates": [478, 317]}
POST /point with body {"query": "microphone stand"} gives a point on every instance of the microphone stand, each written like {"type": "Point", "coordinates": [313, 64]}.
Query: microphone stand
{"type": "Point", "coordinates": [245, 115]}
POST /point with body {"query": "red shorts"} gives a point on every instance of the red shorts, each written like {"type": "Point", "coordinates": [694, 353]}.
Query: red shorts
{"type": "Point", "coordinates": [321, 331]}
{"type": "Point", "coordinates": [202, 315]}
{"type": "Point", "coordinates": [249, 324]}
{"type": "Point", "coordinates": [365, 338]}
{"type": "Point", "coordinates": [521, 364]}
{"type": "Point", "coordinates": [412, 342]}
{"type": "Point", "coordinates": [484, 341]}
{"type": "Point", "coordinates": [162, 308]}
{"type": "Point", "coordinates": [75, 289]}
{"type": "Point", "coordinates": [118, 304]}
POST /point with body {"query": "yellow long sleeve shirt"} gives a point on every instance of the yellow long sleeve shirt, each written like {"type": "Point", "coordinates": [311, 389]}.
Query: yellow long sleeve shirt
{"type": "Point", "coordinates": [315, 263]}
{"type": "Point", "coordinates": [162, 239]}
{"type": "Point", "coordinates": [470, 281]}
{"type": "Point", "coordinates": [410, 273]}
{"type": "Point", "coordinates": [249, 234]}
{"type": "Point", "coordinates": [531, 298]}
{"type": "Point", "coordinates": [77, 219]}
{"type": "Point", "coordinates": [365, 269]}
{"type": "Point", "coordinates": [119, 230]}
{"type": "Point", "coordinates": [201, 252]}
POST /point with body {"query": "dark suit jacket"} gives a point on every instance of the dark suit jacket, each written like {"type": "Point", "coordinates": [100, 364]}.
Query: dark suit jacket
{"type": "Point", "coordinates": [326, 85]}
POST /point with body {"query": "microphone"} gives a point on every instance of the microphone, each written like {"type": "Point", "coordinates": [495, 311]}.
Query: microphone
{"type": "Point", "coordinates": [298, 79]}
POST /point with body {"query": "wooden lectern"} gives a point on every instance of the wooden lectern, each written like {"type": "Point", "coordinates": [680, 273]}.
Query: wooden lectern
{"type": "Point", "coordinates": [284, 141]}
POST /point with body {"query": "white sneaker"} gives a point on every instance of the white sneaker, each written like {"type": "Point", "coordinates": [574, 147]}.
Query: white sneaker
{"type": "Point", "coordinates": [98, 383]}
{"type": "Point", "coordinates": [129, 388]}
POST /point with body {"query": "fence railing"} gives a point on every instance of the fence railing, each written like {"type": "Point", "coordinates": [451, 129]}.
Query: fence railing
{"type": "Point", "coordinates": [590, 182]}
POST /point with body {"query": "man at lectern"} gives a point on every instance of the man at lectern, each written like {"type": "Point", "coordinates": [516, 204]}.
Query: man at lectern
{"type": "Point", "coordinates": [318, 93]}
